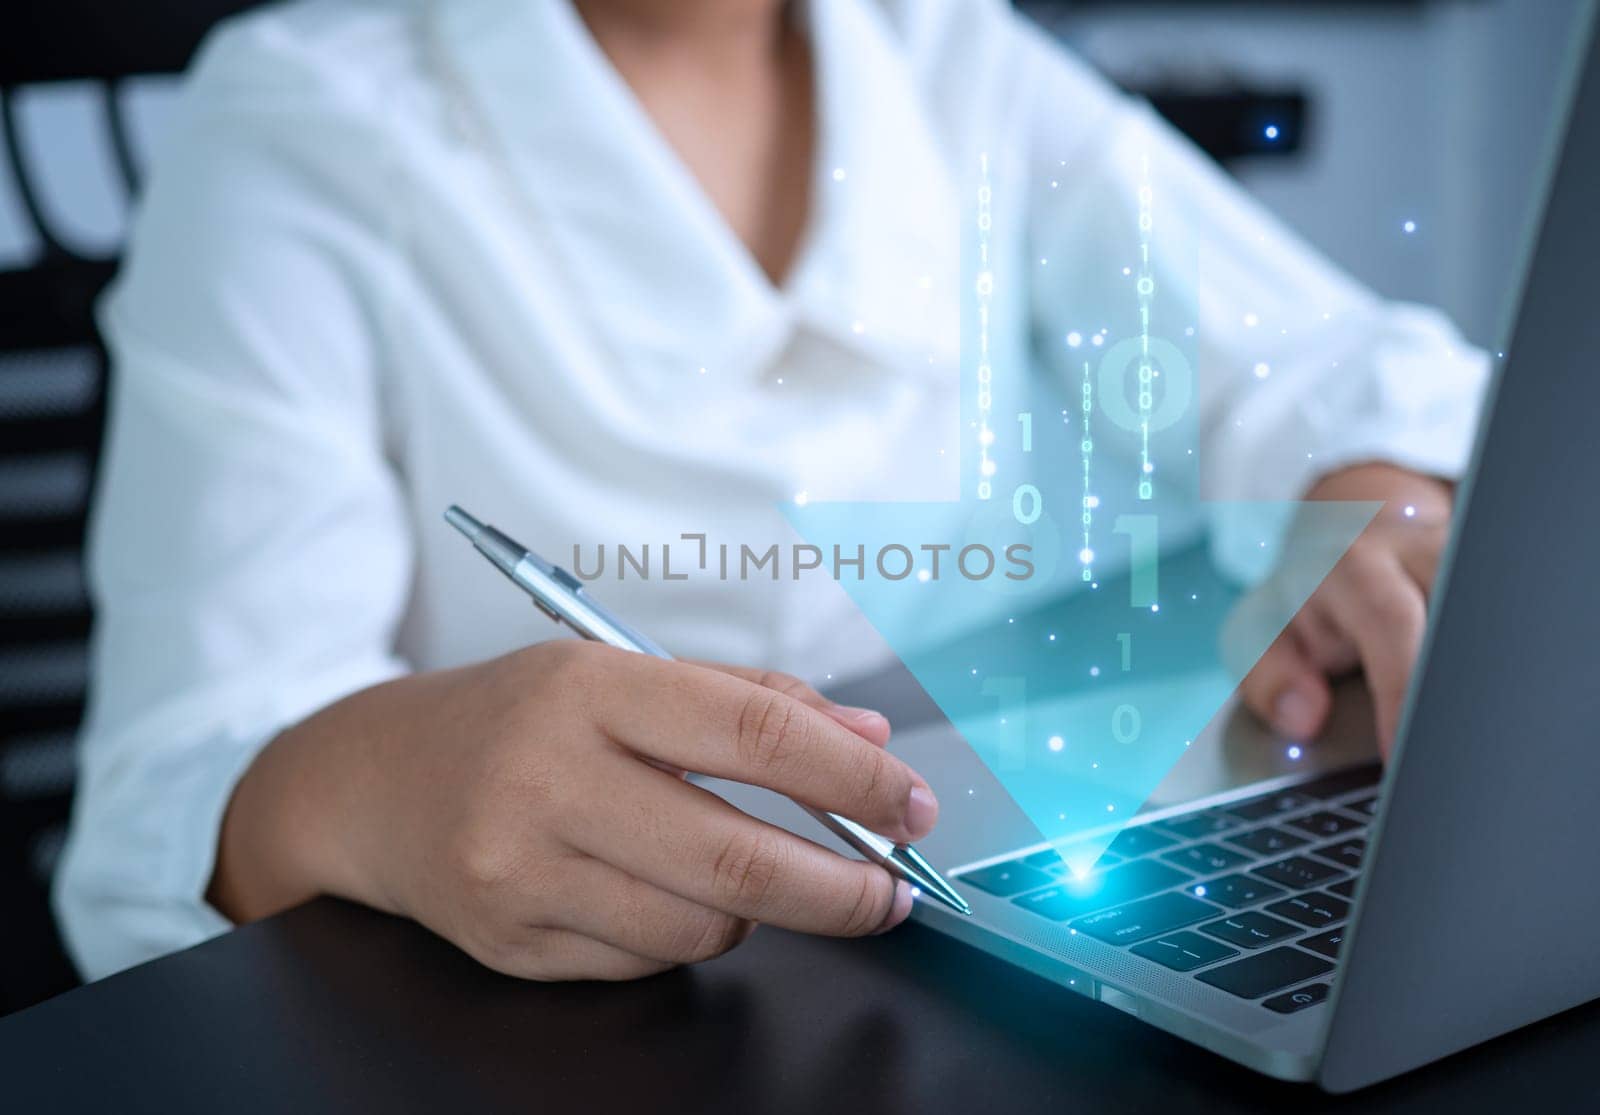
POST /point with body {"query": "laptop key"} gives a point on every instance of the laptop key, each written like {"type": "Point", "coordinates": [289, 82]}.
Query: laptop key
{"type": "Point", "coordinates": [1344, 781]}
{"type": "Point", "coordinates": [1263, 973]}
{"type": "Point", "coordinates": [1184, 952]}
{"type": "Point", "coordinates": [1346, 889]}
{"type": "Point", "coordinates": [1200, 825]}
{"type": "Point", "coordinates": [1137, 841]}
{"type": "Point", "coordinates": [1250, 930]}
{"type": "Point", "coordinates": [1267, 841]}
{"type": "Point", "coordinates": [1205, 859]}
{"type": "Point", "coordinates": [1005, 879]}
{"type": "Point", "coordinates": [1313, 909]}
{"type": "Point", "coordinates": [1259, 809]}
{"type": "Point", "coordinates": [1146, 918]}
{"type": "Point", "coordinates": [1296, 872]}
{"type": "Point", "coordinates": [1073, 898]}
{"type": "Point", "coordinates": [1326, 943]}
{"type": "Point", "coordinates": [1326, 823]}
{"type": "Point", "coordinates": [1369, 806]}
{"type": "Point", "coordinates": [1060, 868]}
{"type": "Point", "coordinates": [1235, 891]}
{"type": "Point", "coordinates": [1044, 859]}
{"type": "Point", "coordinates": [1346, 853]}
{"type": "Point", "coordinates": [1291, 1001]}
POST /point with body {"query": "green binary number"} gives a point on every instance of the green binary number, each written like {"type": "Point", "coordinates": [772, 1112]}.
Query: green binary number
{"type": "Point", "coordinates": [1145, 567]}
{"type": "Point", "coordinates": [1012, 692]}
{"type": "Point", "coordinates": [1125, 724]}
{"type": "Point", "coordinates": [1027, 492]}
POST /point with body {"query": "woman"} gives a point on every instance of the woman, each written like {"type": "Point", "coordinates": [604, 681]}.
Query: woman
{"type": "Point", "coordinates": [620, 269]}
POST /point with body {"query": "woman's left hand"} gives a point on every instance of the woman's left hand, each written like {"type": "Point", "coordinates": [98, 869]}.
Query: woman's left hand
{"type": "Point", "coordinates": [1370, 611]}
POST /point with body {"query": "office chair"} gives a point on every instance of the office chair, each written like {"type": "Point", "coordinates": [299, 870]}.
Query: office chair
{"type": "Point", "coordinates": [52, 373]}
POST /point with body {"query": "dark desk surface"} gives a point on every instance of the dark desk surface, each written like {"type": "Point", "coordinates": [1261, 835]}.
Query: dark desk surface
{"type": "Point", "coordinates": [334, 1008]}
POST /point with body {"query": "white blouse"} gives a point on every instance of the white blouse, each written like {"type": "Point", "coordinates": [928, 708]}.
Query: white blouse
{"type": "Point", "coordinates": [398, 254]}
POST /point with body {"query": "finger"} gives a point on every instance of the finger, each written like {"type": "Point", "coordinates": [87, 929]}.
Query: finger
{"type": "Point", "coordinates": [686, 840]}
{"type": "Point", "coordinates": [717, 724]}
{"type": "Point", "coordinates": [644, 920]}
{"type": "Point", "coordinates": [559, 954]}
{"type": "Point", "coordinates": [1287, 690]}
{"type": "Point", "coordinates": [870, 724]}
{"type": "Point", "coordinates": [1385, 612]}
{"type": "Point", "coordinates": [1421, 550]}
{"type": "Point", "coordinates": [1322, 641]}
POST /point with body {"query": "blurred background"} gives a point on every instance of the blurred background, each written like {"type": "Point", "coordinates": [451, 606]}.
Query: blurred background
{"type": "Point", "coordinates": [1403, 137]}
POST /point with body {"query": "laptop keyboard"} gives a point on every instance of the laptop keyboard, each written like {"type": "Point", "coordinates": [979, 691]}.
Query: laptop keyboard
{"type": "Point", "coordinates": [1250, 897]}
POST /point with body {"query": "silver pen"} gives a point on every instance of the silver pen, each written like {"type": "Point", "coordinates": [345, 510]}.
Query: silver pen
{"type": "Point", "coordinates": [560, 596]}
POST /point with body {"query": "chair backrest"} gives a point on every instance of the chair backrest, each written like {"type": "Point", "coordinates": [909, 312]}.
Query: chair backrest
{"type": "Point", "coordinates": [52, 373]}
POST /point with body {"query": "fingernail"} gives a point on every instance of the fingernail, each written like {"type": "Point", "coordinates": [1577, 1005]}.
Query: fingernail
{"type": "Point", "coordinates": [922, 810]}
{"type": "Point", "coordinates": [864, 717]}
{"type": "Point", "coordinates": [1293, 714]}
{"type": "Point", "coordinates": [900, 909]}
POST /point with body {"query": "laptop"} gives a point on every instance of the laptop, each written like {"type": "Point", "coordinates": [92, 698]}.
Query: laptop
{"type": "Point", "coordinates": [1342, 926]}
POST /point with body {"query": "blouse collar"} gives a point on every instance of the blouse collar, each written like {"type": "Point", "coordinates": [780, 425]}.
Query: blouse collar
{"type": "Point", "coordinates": [671, 288]}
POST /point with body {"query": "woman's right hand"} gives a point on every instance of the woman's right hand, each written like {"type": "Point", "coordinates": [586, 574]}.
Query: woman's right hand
{"type": "Point", "coordinates": [530, 809]}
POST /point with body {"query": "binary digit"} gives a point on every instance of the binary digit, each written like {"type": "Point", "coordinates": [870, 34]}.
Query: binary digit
{"type": "Point", "coordinates": [1125, 724]}
{"type": "Point", "coordinates": [1027, 431]}
{"type": "Point", "coordinates": [1012, 692]}
{"type": "Point", "coordinates": [1146, 561]}
{"type": "Point", "coordinates": [1126, 639]}
{"type": "Point", "coordinates": [1029, 494]}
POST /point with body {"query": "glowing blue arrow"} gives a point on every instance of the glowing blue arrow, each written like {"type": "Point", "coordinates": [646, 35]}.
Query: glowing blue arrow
{"type": "Point", "coordinates": [1040, 610]}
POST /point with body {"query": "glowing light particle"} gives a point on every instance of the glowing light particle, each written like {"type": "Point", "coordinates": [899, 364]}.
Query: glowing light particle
{"type": "Point", "coordinates": [1270, 131]}
{"type": "Point", "coordinates": [1251, 321]}
{"type": "Point", "coordinates": [924, 576]}
{"type": "Point", "coordinates": [1410, 227]}
{"type": "Point", "coordinates": [1086, 555]}
{"type": "Point", "coordinates": [1200, 891]}
{"type": "Point", "coordinates": [1057, 743]}
{"type": "Point", "coordinates": [1411, 512]}
{"type": "Point", "coordinates": [1074, 339]}
{"type": "Point", "coordinates": [1262, 371]}
{"type": "Point", "coordinates": [838, 174]}
{"type": "Point", "coordinates": [1094, 671]}
{"type": "Point", "coordinates": [1294, 751]}
{"type": "Point", "coordinates": [802, 498]}
{"type": "Point", "coordinates": [987, 468]}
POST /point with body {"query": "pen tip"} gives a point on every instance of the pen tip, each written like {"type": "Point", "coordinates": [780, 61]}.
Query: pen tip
{"type": "Point", "coordinates": [463, 522]}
